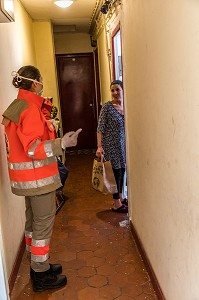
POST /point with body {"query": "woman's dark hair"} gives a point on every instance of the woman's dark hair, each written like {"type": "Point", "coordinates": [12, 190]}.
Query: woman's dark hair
{"type": "Point", "coordinates": [117, 82]}
{"type": "Point", "coordinates": [27, 72]}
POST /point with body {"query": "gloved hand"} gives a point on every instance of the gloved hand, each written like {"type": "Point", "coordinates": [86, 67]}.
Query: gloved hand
{"type": "Point", "coordinates": [70, 139]}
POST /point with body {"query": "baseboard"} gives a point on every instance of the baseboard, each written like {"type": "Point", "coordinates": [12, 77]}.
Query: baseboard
{"type": "Point", "coordinates": [147, 264]}
{"type": "Point", "coordinates": [16, 266]}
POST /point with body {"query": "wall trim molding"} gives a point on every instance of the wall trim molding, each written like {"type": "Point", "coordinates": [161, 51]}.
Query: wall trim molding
{"type": "Point", "coordinates": [147, 264]}
{"type": "Point", "coordinates": [16, 265]}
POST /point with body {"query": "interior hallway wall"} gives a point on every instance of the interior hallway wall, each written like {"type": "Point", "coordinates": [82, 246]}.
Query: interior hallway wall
{"type": "Point", "coordinates": [104, 66]}
{"type": "Point", "coordinates": [17, 49]}
{"type": "Point", "coordinates": [161, 85]}
{"type": "Point", "coordinates": [45, 58]}
{"type": "Point", "coordinates": [103, 33]}
{"type": "Point", "coordinates": [67, 42]}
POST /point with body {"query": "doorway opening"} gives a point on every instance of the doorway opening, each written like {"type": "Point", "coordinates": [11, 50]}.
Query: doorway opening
{"type": "Point", "coordinates": [78, 99]}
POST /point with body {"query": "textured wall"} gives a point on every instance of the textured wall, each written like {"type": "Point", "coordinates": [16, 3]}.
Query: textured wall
{"type": "Point", "coordinates": [161, 75]}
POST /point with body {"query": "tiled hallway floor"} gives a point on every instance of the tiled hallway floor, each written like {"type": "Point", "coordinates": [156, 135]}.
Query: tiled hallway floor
{"type": "Point", "coordinates": [98, 256]}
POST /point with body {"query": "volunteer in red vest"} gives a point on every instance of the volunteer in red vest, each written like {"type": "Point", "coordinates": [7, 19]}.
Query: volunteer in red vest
{"type": "Point", "coordinates": [32, 165]}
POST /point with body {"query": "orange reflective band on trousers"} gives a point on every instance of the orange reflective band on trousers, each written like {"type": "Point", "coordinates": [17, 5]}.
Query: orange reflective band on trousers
{"type": "Point", "coordinates": [28, 241]}
{"type": "Point", "coordinates": [42, 250]}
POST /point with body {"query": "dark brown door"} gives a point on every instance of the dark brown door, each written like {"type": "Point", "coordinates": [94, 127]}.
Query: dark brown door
{"type": "Point", "coordinates": [77, 97]}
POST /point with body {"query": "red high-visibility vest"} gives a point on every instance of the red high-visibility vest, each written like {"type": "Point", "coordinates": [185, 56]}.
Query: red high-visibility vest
{"type": "Point", "coordinates": [31, 146]}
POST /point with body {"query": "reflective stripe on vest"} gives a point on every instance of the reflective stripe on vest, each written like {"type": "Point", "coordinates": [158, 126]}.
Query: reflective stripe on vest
{"type": "Point", "coordinates": [40, 250]}
{"type": "Point", "coordinates": [47, 148]}
{"type": "Point", "coordinates": [31, 164]}
{"type": "Point", "coordinates": [28, 239]}
{"type": "Point", "coordinates": [31, 151]}
{"type": "Point", "coordinates": [35, 183]}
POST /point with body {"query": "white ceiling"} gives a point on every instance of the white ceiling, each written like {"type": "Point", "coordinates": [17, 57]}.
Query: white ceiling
{"type": "Point", "coordinates": [77, 17]}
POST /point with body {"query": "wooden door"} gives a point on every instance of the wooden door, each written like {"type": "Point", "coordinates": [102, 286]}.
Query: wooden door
{"type": "Point", "coordinates": [77, 97]}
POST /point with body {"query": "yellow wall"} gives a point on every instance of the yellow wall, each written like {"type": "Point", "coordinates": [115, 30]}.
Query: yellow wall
{"type": "Point", "coordinates": [160, 69]}
{"type": "Point", "coordinates": [104, 67]}
{"type": "Point", "coordinates": [17, 49]}
{"type": "Point", "coordinates": [103, 32]}
{"type": "Point", "coordinates": [72, 43]}
{"type": "Point", "coordinates": [45, 57]}
{"type": "Point", "coordinates": [23, 42]}
{"type": "Point", "coordinates": [161, 76]}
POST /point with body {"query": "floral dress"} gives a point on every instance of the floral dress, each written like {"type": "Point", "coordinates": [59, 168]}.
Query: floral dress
{"type": "Point", "coordinates": [111, 125]}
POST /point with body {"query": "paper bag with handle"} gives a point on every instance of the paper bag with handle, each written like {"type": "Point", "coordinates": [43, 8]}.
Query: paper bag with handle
{"type": "Point", "coordinates": [103, 179]}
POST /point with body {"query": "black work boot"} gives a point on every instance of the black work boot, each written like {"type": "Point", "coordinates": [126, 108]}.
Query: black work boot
{"type": "Point", "coordinates": [45, 280]}
{"type": "Point", "coordinates": [54, 268]}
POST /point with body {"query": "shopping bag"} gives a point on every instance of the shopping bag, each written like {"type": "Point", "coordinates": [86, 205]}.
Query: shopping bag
{"type": "Point", "coordinates": [103, 179]}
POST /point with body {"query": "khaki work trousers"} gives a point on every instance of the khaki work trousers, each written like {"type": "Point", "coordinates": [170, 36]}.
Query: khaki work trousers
{"type": "Point", "coordinates": [40, 216]}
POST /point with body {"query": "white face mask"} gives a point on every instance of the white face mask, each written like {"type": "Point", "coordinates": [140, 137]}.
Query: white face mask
{"type": "Point", "coordinates": [19, 79]}
{"type": "Point", "coordinates": [40, 92]}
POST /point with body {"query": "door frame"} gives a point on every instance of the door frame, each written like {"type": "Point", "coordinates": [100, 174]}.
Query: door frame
{"type": "Point", "coordinates": [95, 66]}
{"type": "Point", "coordinates": [114, 33]}
{"type": "Point", "coordinates": [95, 71]}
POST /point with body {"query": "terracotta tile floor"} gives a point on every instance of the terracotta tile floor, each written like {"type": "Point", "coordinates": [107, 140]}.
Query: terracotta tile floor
{"type": "Point", "coordinates": [98, 256]}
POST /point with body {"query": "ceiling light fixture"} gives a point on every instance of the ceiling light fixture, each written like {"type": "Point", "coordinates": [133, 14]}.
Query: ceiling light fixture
{"type": "Point", "coordinates": [63, 3]}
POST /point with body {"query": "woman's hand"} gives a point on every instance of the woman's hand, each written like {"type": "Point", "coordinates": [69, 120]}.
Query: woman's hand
{"type": "Point", "coordinates": [99, 152]}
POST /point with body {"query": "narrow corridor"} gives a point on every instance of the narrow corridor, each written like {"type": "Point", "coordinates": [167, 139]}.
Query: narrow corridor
{"type": "Point", "coordinates": [98, 256]}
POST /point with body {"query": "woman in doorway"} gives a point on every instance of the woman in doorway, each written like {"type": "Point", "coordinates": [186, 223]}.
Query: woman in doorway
{"type": "Point", "coordinates": [111, 141]}
{"type": "Point", "coordinates": [32, 154]}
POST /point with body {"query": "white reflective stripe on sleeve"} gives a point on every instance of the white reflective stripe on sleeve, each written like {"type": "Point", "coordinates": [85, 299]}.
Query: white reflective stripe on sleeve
{"type": "Point", "coordinates": [31, 151]}
{"type": "Point", "coordinates": [48, 148]}
{"type": "Point", "coordinates": [35, 183]}
{"type": "Point", "coordinates": [33, 164]}
{"type": "Point", "coordinates": [39, 258]}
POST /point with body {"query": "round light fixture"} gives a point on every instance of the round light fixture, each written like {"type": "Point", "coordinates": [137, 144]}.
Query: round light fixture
{"type": "Point", "coordinates": [63, 3]}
